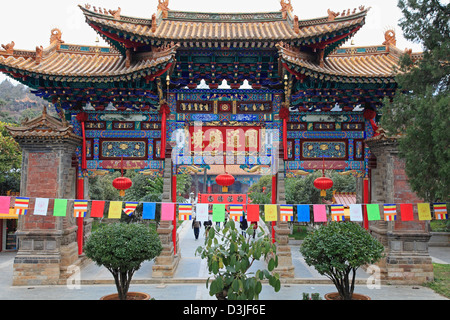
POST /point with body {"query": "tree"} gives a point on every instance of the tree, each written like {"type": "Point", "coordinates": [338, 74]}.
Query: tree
{"type": "Point", "coordinates": [230, 255]}
{"type": "Point", "coordinates": [121, 248]}
{"type": "Point", "coordinates": [337, 250]}
{"type": "Point", "coordinates": [10, 160]}
{"type": "Point", "coordinates": [419, 113]}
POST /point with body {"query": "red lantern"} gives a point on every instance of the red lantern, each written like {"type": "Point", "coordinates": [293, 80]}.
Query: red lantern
{"type": "Point", "coordinates": [225, 180]}
{"type": "Point", "coordinates": [369, 114]}
{"type": "Point", "coordinates": [122, 184]}
{"type": "Point", "coordinates": [323, 184]}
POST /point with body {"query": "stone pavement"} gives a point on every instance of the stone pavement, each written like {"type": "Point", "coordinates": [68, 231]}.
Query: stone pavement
{"type": "Point", "coordinates": [189, 281]}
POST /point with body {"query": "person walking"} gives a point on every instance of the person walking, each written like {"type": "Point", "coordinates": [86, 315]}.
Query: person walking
{"type": "Point", "coordinates": [244, 226]}
{"type": "Point", "coordinates": [207, 225]}
{"type": "Point", "coordinates": [196, 225]}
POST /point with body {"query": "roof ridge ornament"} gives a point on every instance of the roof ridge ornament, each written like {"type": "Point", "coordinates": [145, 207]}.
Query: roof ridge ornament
{"type": "Point", "coordinates": [9, 48]}
{"type": "Point", "coordinates": [286, 7]}
{"type": "Point", "coordinates": [163, 6]}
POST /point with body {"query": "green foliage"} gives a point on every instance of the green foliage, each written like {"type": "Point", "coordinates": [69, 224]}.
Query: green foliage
{"type": "Point", "coordinates": [261, 192]}
{"type": "Point", "coordinates": [338, 249]}
{"type": "Point", "coordinates": [419, 112]}
{"type": "Point", "coordinates": [121, 248]}
{"type": "Point", "coordinates": [230, 255]}
{"type": "Point", "coordinates": [10, 160]}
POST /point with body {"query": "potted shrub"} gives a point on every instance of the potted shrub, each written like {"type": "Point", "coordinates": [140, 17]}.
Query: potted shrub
{"type": "Point", "coordinates": [230, 254]}
{"type": "Point", "coordinates": [121, 248]}
{"type": "Point", "coordinates": [337, 250]}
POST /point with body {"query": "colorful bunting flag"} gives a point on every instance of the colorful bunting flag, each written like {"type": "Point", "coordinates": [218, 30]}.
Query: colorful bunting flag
{"type": "Point", "coordinates": [4, 205]}
{"type": "Point", "coordinates": [373, 211]}
{"type": "Point", "coordinates": [148, 210]}
{"type": "Point", "coordinates": [303, 213]}
{"type": "Point", "coordinates": [168, 211]}
{"type": "Point", "coordinates": [40, 207]}
{"type": "Point", "coordinates": [337, 212]}
{"type": "Point", "coordinates": [130, 207]}
{"type": "Point", "coordinates": [21, 206]}
{"type": "Point", "coordinates": [270, 212]}
{"type": "Point", "coordinates": [390, 212]}
{"type": "Point", "coordinates": [286, 212]}
{"type": "Point", "coordinates": [185, 211]}
{"type": "Point", "coordinates": [236, 212]}
{"type": "Point", "coordinates": [320, 213]}
{"type": "Point", "coordinates": [97, 209]}
{"type": "Point", "coordinates": [218, 212]}
{"type": "Point", "coordinates": [253, 212]}
{"type": "Point", "coordinates": [440, 211]}
{"type": "Point", "coordinates": [423, 210]}
{"type": "Point", "coordinates": [356, 212]}
{"type": "Point", "coordinates": [60, 208]}
{"type": "Point", "coordinates": [80, 208]}
{"type": "Point", "coordinates": [115, 210]}
{"type": "Point", "coordinates": [406, 212]}
{"type": "Point", "coordinates": [202, 212]}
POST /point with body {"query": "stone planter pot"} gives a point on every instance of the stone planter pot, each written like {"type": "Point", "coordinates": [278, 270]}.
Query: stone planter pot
{"type": "Point", "coordinates": [355, 296]}
{"type": "Point", "coordinates": [130, 296]}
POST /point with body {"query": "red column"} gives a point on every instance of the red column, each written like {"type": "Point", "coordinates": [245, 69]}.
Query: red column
{"type": "Point", "coordinates": [80, 196]}
{"type": "Point", "coordinates": [365, 201]}
{"type": "Point", "coordinates": [174, 200]}
{"type": "Point", "coordinates": [274, 201]}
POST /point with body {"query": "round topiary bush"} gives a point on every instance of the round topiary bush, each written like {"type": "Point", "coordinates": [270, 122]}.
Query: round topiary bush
{"type": "Point", "coordinates": [121, 248]}
{"type": "Point", "coordinates": [338, 249]}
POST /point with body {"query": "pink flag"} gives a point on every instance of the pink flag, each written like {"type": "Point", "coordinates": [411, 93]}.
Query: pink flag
{"type": "Point", "coordinates": [320, 213]}
{"type": "Point", "coordinates": [4, 205]}
{"type": "Point", "coordinates": [167, 211]}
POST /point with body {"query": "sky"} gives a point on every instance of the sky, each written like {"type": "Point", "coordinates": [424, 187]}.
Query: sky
{"type": "Point", "coordinates": [28, 23]}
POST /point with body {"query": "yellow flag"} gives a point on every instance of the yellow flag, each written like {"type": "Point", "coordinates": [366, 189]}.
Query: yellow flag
{"type": "Point", "coordinates": [115, 210]}
{"type": "Point", "coordinates": [424, 211]}
{"type": "Point", "coordinates": [270, 212]}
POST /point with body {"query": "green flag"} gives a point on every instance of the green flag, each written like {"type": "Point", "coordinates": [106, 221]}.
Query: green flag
{"type": "Point", "coordinates": [60, 208]}
{"type": "Point", "coordinates": [218, 213]}
{"type": "Point", "coordinates": [373, 211]}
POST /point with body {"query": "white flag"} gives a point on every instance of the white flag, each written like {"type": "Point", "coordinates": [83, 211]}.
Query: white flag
{"type": "Point", "coordinates": [356, 212]}
{"type": "Point", "coordinates": [202, 211]}
{"type": "Point", "coordinates": [40, 207]}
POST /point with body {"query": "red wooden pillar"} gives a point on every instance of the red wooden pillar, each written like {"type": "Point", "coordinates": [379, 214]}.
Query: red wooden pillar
{"type": "Point", "coordinates": [365, 201]}
{"type": "Point", "coordinates": [274, 201]}
{"type": "Point", "coordinates": [174, 200]}
{"type": "Point", "coordinates": [80, 233]}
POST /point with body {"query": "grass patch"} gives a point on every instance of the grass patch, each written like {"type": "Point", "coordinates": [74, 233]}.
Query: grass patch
{"type": "Point", "coordinates": [441, 283]}
{"type": "Point", "coordinates": [299, 232]}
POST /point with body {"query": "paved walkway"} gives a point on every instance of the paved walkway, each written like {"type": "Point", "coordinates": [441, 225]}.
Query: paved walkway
{"type": "Point", "coordinates": [189, 280]}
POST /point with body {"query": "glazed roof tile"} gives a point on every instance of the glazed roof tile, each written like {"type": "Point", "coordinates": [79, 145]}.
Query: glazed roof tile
{"type": "Point", "coordinates": [197, 26]}
{"type": "Point", "coordinates": [73, 62]}
{"type": "Point", "coordinates": [346, 64]}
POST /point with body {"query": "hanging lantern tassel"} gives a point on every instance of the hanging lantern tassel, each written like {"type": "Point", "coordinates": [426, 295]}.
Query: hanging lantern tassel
{"type": "Point", "coordinates": [284, 115]}
{"type": "Point", "coordinates": [164, 110]}
{"type": "Point", "coordinates": [82, 118]}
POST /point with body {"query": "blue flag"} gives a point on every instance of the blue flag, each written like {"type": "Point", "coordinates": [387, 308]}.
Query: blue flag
{"type": "Point", "coordinates": [303, 213]}
{"type": "Point", "coordinates": [148, 211]}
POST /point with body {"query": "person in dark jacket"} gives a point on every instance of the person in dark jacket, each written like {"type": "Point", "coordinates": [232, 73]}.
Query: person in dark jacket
{"type": "Point", "coordinates": [244, 226]}
{"type": "Point", "coordinates": [207, 225]}
{"type": "Point", "coordinates": [196, 225]}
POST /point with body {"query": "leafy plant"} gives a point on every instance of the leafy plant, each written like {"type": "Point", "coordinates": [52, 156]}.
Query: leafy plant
{"type": "Point", "coordinates": [337, 250]}
{"type": "Point", "coordinates": [121, 248]}
{"type": "Point", "coordinates": [230, 255]}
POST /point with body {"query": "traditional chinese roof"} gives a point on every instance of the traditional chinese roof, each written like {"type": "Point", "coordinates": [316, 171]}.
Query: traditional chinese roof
{"type": "Point", "coordinates": [193, 29]}
{"type": "Point", "coordinates": [75, 63]}
{"type": "Point", "coordinates": [43, 128]}
{"type": "Point", "coordinates": [76, 74]}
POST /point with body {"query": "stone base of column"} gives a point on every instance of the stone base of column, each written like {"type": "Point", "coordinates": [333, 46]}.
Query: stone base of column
{"type": "Point", "coordinates": [167, 262]}
{"type": "Point", "coordinates": [285, 267]}
{"type": "Point", "coordinates": [408, 260]}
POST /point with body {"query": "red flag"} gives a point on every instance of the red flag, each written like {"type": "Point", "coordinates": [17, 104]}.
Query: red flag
{"type": "Point", "coordinates": [252, 212]}
{"type": "Point", "coordinates": [97, 209]}
{"type": "Point", "coordinates": [406, 211]}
